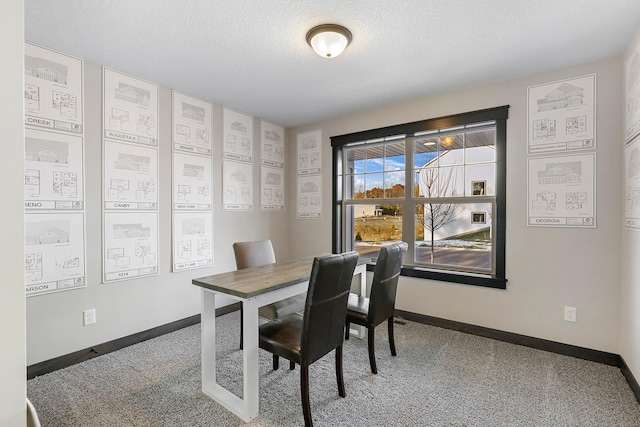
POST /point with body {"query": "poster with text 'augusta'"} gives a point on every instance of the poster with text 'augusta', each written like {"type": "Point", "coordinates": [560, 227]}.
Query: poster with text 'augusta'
{"type": "Point", "coordinates": [562, 191]}
{"type": "Point", "coordinates": [54, 252]}
{"type": "Point", "coordinates": [52, 90]}
{"type": "Point", "coordinates": [130, 245]}
{"type": "Point", "coordinates": [561, 116]}
{"type": "Point", "coordinates": [130, 108]}
{"type": "Point", "coordinates": [192, 126]}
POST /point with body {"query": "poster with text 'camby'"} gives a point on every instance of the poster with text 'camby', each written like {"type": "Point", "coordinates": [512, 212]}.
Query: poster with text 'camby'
{"type": "Point", "coordinates": [53, 171]}
{"type": "Point", "coordinates": [54, 252]}
{"type": "Point", "coordinates": [52, 90]}
{"type": "Point", "coordinates": [192, 240]}
{"type": "Point", "coordinates": [192, 126]}
{"type": "Point", "coordinates": [130, 176]}
{"type": "Point", "coordinates": [237, 137]}
{"type": "Point", "coordinates": [561, 116]}
{"type": "Point", "coordinates": [562, 191]}
{"type": "Point", "coordinates": [632, 93]}
{"type": "Point", "coordinates": [130, 245]}
{"type": "Point", "coordinates": [130, 108]}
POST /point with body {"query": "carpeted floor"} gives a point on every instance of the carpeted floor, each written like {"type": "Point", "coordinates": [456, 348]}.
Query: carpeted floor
{"type": "Point", "coordinates": [439, 378]}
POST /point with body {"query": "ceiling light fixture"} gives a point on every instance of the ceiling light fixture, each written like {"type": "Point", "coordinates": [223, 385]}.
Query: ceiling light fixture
{"type": "Point", "coordinates": [329, 40]}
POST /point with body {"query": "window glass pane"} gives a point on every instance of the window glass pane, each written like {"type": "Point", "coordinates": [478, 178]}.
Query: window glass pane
{"type": "Point", "coordinates": [374, 186]}
{"type": "Point", "coordinates": [454, 235]}
{"type": "Point", "coordinates": [358, 186]}
{"type": "Point", "coordinates": [375, 225]}
{"type": "Point", "coordinates": [375, 158]}
{"type": "Point", "coordinates": [427, 182]}
{"type": "Point", "coordinates": [354, 160]}
{"type": "Point", "coordinates": [451, 150]}
{"type": "Point", "coordinates": [425, 150]}
{"type": "Point", "coordinates": [394, 184]}
{"type": "Point", "coordinates": [394, 156]}
{"type": "Point", "coordinates": [481, 180]}
{"type": "Point", "coordinates": [480, 146]}
{"type": "Point", "coordinates": [451, 181]}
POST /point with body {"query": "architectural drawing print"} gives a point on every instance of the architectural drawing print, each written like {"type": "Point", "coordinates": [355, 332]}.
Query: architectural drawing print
{"type": "Point", "coordinates": [544, 129]}
{"type": "Point", "coordinates": [31, 98]}
{"type": "Point", "coordinates": [632, 184]}
{"type": "Point", "coordinates": [238, 136]}
{"type": "Point", "coordinates": [192, 236]}
{"type": "Point", "coordinates": [52, 90]}
{"type": "Point", "coordinates": [576, 200]}
{"type": "Point", "coordinates": [632, 93]}
{"type": "Point", "coordinates": [272, 151]}
{"type": "Point", "coordinates": [545, 201]}
{"type": "Point", "coordinates": [309, 196]}
{"type": "Point", "coordinates": [561, 115]}
{"type": "Point", "coordinates": [54, 252]}
{"type": "Point", "coordinates": [130, 177]}
{"type": "Point", "coordinates": [44, 150]}
{"type": "Point", "coordinates": [561, 191]}
{"type": "Point", "coordinates": [272, 184]}
{"type": "Point", "coordinates": [561, 173]}
{"type": "Point", "coordinates": [192, 182]}
{"type": "Point", "coordinates": [564, 96]}
{"type": "Point", "coordinates": [238, 185]}
{"type": "Point", "coordinates": [309, 153]}
{"type": "Point", "coordinates": [131, 245]}
{"type": "Point", "coordinates": [45, 69]}
{"type": "Point", "coordinates": [31, 182]}
{"type": "Point", "coordinates": [65, 103]}
{"type": "Point", "coordinates": [192, 124]}
{"type": "Point", "coordinates": [130, 93]}
{"type": "Point", "coordinates": [130, 108]}
{"type": "Point", "coordinates": [53, 171]}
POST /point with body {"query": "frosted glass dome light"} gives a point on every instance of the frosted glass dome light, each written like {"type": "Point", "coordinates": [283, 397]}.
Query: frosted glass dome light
{"type": "Point", "coordinates": [329, 40]}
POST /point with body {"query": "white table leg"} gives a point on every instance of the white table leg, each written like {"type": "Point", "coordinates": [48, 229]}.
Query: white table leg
{"type": "Point", "coordinates": [247, 407]}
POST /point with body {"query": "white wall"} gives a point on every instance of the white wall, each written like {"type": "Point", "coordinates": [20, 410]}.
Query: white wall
{"type": "Point", "coordinates": [546, 268]}
{"type": "Point", "coordinates": [630, 293]}
{"type": "Point", "coordinates": [54, 321]}
{"type": "Point", "coordinates": [12, 301]}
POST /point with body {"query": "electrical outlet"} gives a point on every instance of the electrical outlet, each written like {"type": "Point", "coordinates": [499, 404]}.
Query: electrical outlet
{"type": "Point", "coordinates": [89, 317]}
{"type": "Point", "coordinates": [570, 314]}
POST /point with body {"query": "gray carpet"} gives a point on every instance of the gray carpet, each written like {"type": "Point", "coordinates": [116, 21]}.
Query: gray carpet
{"type": "Point", "coordinates": [439, 378]}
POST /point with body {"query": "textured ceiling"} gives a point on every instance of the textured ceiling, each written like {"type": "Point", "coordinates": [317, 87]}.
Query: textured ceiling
{"type": "Point", "coordinates": [251, 56]}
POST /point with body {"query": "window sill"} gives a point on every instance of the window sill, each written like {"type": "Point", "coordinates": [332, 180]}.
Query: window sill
{"type": "Point", "coordinates": [486, 281]}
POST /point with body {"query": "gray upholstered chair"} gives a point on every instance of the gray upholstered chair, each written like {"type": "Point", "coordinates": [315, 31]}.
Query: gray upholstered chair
{"type": "Point", "coordinates": [380, 305]}
{"type": "Point", "coordinates": [305, 338]}
{"type": "Point", "coordinates": [256, 254]}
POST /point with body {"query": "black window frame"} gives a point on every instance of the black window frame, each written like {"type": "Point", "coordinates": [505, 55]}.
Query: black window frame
{"type": "Point", "coordinates": [500, 115]}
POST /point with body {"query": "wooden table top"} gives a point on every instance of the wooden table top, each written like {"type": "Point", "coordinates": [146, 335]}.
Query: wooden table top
{"type": "Point", "coordinates": [249, 282]}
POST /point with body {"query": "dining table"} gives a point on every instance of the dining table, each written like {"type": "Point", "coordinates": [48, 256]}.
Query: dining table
{"type": "Point", "coordinates": [253, 288]}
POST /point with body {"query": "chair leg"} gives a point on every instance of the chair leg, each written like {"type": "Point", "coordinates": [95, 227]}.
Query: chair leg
{"type": "Point", "coordinates": [392, 342]}
{"type": "Point", "coordinates": [304, 391]}
{"type": "Point", "coordinates": [276, 362]}
{"type": "Point", "coordinates": [339, 375]}
{"type": "Point", "coordinates": [347, 326]}
{"type": "Point", "coordinates": [241, 325]}
{"type": "Point", "coordinates": [372, 350]}
{"type": "Point", "coordinates": [292, 365]}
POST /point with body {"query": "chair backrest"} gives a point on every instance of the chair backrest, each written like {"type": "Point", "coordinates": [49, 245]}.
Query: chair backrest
{"type": "Point", "coordinates": [385, 282]}
{"type": "Point", "coordinates": [254, 254]}
{"type": "Point", "coordinates": [326, 306]}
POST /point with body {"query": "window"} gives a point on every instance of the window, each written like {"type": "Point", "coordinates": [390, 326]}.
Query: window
{"type": "Point", "coordinates": [437, 184]}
